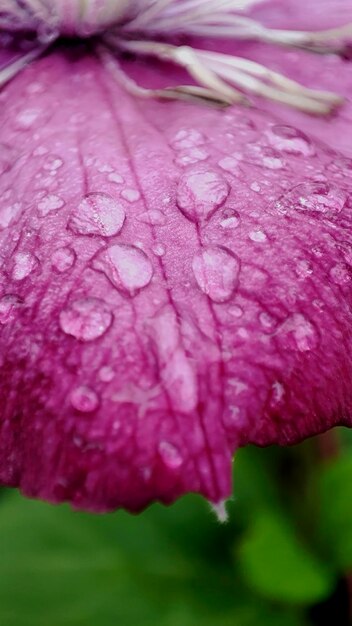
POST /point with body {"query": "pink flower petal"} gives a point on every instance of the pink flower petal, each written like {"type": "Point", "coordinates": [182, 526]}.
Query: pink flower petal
{"type": "Point", "coordinates": [138, 352]}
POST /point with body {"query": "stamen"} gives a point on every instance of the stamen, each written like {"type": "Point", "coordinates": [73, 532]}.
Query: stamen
{"type": "Point", "coordinates": [13, 68]}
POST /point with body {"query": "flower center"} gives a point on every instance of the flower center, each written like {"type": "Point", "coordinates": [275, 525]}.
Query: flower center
{"type": "Point", "coordinates": [141, 27]}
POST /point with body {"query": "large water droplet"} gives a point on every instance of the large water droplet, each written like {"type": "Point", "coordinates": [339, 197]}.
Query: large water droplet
{"type": "Point", "coordinates": [290, 140]}
{"type": "Point", "coordinates": [63, 259]}
{"type": "Point", "coordinates": [84, 399]}
{"type": "Point", "coordinates": [86, 319]}
{"type": "Point", "coordinates": [24, 264]}
{"type": "Point", "coordinates": [200, 192]}
{"type": "Point", "coordinates": [127, 267]}
{"type": "Point", "coordinates": [8, 305]}
{"type": "Point", "coordinates": [313, 197]}
{"type": "Point", "coordinates": [97, 214]}
{"type": "Point", "coordinates": [216, 271]}
{"type": "Point", "coordinates": [170, 455]}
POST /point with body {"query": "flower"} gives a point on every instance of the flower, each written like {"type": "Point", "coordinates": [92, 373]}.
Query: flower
{"type": "Point", "coordinates": [175, 278]}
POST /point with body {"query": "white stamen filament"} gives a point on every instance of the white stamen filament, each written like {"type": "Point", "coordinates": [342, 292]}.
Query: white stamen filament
{"type": "Point", "coordinates": [221, 79]}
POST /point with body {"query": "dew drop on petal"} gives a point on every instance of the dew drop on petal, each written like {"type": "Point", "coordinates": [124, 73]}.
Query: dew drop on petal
{"type": "Point", "coordinates": [8, 305]}
{"type": "Point", "coordinates": [113, 177]}
{"type": "Point", "coordinates": [216, 271]}
{"type": "Point", "coordinates": [170, 455]}
{"type": "Point", "coordinates": [312, 197]}
{"type": "Point", "coordinates": [258, 236]}
{"type": "Point", "coordinates": [291, 140]}
{"type": "Point", "coordinates": [84, 399]}
{"type": "Point", "coordinates": [299, 333]}
{"type": "Point", "coordinates": [106, 374]}
{"type": "Point", "coordinates": [27, 118]}
{"type": "Point", "coordinates": [86, 319]}
{"type": "Point", "coordinates": [9, 214]}
{"type": "Point", "coordinates": [63, 259]}
{"type": "Point", "coordinates": [230, 219]}
{"type": "Point", "coordinates": [154, 217]}
{"type": "Point", "coordinates": [49, 203]}
{"type": "Point", "coordinates": [97, 214]}
{"type": "Point", "coordinates": [24, 264]}
{"type": "Point", "coordinates": [131, 195]}
{"type": "Point", "coordinates": [127, 267]}
{"type": "Point", "coordinates": [200, 193]}
{"type": "Point", "coordinates": [187, 138]}
{"type": "Point", "coordinates": [159, 249]}
{"type": "Point", "coordinates": [53, 163]}
{"type": "Point", "coordinates": [340, 274]}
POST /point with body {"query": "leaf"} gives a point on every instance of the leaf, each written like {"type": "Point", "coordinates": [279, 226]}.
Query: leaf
{"type": "Point", "coordinates": [277, 565]}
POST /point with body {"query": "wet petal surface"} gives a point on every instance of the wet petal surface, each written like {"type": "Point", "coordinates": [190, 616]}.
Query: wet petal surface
{"type": "Point", "coordinates": [173, 286]}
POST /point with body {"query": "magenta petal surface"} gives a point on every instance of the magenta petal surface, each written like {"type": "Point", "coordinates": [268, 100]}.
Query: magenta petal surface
{"type": "Point", "coordinates": [175, 283]}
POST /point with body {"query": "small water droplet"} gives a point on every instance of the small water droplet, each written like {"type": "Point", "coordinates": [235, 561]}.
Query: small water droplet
{"type": "Point", "coordinates": [200, 193]}
{"type": "Point", "coordinates": [170, 455]}
{"type": "Point", "coordinates": [106, 374]}
{"type": "Point", "coordinates": [49, 203]}
{"type": "Point", "coordinates": [24, 264]}
{"type": "Point", "coordinates": [127, 267]}
{"type": "Point", "coordinates": [187, 138]}
{"type": "Point", "coordinates": [131, 195]}
{"type": "Point", "coordinates": [159, 249]}
{"type": "Point", "coordinates": [84, 399]}
{"type": "Point", "coordinates": [299, 333]}
{"type": "Point", "coordinates": [263, 156]}
{"type": "Point", "coordinates": [113, 177]}
{"type": "Point", "coordinates": [63, 258]}
{"type": "Point", "coordinates": [340, 274]}
{"type": "Point", "coordinates": [258, 236]}
{"type": "Point", "coordinates": [8, 305]}
{"type": "Point", "coordinates": [255, 187]}
{"type": "Point", "coordinates": [229, 164]}
{"type": "Point", "coordinates": [290, 140]}
{"type": "Point", "coordinates": [86, 319]}
{"type": "Point", "coordinates": [26, 119]}
{"type": "Point", "coordinates": [53, 163]}
{"type": "Point", "coordinates": [236, 311]}
{"type": "Point", "coordinates": [9, 214]}
{"type": "Point", "coordinates": [154, 217]}
{"type": "Point", "coordinates": [268, 322]}
{"type": "Point", "coordinates": [230, 219]}
{"type": "Point", "coordinates": [303, 268]}
{"type": "Point", "coordinates": [97, 214]}
{"type": "Point", "coordinates": [216, 271]}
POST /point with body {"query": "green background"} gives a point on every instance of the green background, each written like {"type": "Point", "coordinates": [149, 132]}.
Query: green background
{"type": "Point", "coordinates": [282, 559]}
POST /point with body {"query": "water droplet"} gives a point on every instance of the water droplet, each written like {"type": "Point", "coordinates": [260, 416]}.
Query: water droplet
{"type": "Point", "coordinates": [159, 249]}
{"type": "Point", "coordinates": [170, 455]}
{"type": "Point", "coordinates": [263, 156]}
{"type": "Point", "coordinates": [230, 219]}
{"type": "Point", "coordinates": [187, 138]}
{"type": "Point", "coordinates": [49, 203]}
{"type": "Point", "coordinates": [299, 333]}
{"type": "Point", "coordinates": [190, 157]}
{"type": "Point", "coordinates": [236, 311]}
{"type": "Point", "coordinates": [86, 319]}
{"type": "Point", "coordinates": [340, 274]}
{"type": "Point", "coordinates": [220, 511]}
{"type": "Point", "coordinates": [63, 259]}
{"type": "Point", "coordinates": [258, 236]}
{"type": "Point", "coordinates": [216, 271]}
{"type": "Point", "coordinates": [27, 118]}
{"type": "Point", "coordinates": [97, 214]}
{"type": "Point", "coordinates": [9, 214]}
{"type": "Point", "coordinates": [113, 177]}
{"type": "Point", "coordinates": [229, 164]}
{"type": "Point", "coordinates": [303, 268]}
{"type": "Point", "coordinates": [127, 267]}
{"type": "Point", "coordinates": [200, 193]}
{"type": "Point", "coordinates": [106, 374]}
{"type": "Point", "coordinates": [255, 187]}
{"type": "Point", "coordinates": [53, 163]}
{"type": "Point", "coordinates": [24, 264]}
{"type": "Point", "coordinates": [154, 217]}
{"type": "Point", "coordinates": [131, 195]}
{"type": "Point", "coordinates": [8, 305]}
{"type": "Point", "coordinates": [314, 197]}
{"type": "Point", "coordinates": [290, 140]}
{"type": "Point", "coordinates": [267, 321]}
{"type": "Point", "coordinates": [84, 399]}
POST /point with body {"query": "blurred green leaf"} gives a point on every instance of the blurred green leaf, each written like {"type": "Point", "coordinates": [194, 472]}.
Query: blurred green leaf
{"type": "Point", "coordinates": [63, 568]}
{"type": "Point", "coordinates": [277, 565]}
{"type": "Point", "coordinates": [335, 519]}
